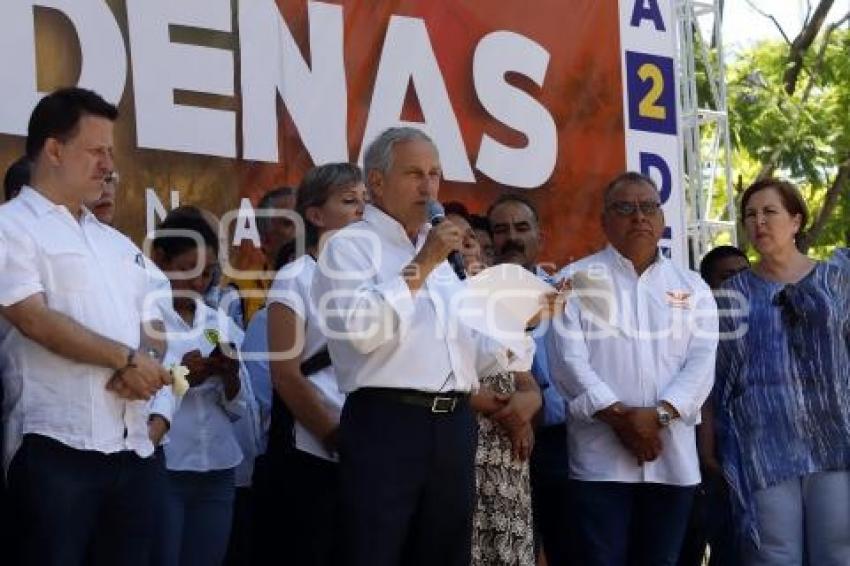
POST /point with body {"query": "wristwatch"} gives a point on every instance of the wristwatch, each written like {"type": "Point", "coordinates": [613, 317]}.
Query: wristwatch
{"type": "Point", "coordinates": [664, 416]}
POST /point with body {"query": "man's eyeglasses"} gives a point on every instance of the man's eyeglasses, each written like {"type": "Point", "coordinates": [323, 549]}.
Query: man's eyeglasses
{"type": "Point", "coordinates": [624, 208]}
{"type": "Point", "coordinates": [112, 178]}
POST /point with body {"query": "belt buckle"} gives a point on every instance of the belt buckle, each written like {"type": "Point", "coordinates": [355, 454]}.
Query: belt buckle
{"type": "Point", "coordinates": [443, 404]}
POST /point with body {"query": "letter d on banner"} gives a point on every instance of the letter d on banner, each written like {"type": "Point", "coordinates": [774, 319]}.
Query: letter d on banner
{"type": "Point", "coordinates": [653, 161]}
{"type": "Point", "coordinates": [104, 61]}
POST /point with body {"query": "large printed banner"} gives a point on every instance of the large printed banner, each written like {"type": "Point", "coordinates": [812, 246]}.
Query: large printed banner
{"type": "Point", "coordinates": [222, 100]}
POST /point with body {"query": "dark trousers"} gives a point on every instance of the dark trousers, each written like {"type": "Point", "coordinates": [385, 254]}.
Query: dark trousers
{"type": "Point", "coordinates": [550, 499]}
{"type": "Point", "coordinates": [407, 483]}
{"type": "Point", "coordinates": [240, 548]}
{"type": "Point", "coordinates": [273, 523]}
{"type": "Point", "coordinates": [711, 525]}
{"type": "Point", "coordinates": [313, 503]}
{"type": "Point", "coordinates": [65, 495]}
{"type": "Point", "coordinates": [634, 524]}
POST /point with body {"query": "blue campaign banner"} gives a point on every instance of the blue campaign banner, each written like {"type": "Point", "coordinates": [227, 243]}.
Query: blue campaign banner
{"type": "Point", "coordinates": [651, 88]}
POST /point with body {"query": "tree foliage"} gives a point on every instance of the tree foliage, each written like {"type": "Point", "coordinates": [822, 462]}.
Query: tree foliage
{"type": "Point", "coordinates": [789, 112]}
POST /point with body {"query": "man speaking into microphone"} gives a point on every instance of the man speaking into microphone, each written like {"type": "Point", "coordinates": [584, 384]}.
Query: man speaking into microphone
{"type": "Point", "coordinates": [407, 434]}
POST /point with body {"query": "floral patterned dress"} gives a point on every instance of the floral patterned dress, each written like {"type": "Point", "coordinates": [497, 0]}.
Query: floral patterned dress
{"type": "Point", "coordinates": [501, 525]}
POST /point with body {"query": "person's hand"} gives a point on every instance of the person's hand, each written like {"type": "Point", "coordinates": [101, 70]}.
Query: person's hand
{"type": "Point", "coordinates": [198, 366]}
{"type": "Point", "coordinates": [646, 428]}
{"type": "Point", "coordinates": [157, 427]}
{"type": "Point", "coordinates": [141, 380]}
{"type": "Point", "coordinates": [443, 238]}
{"type": "Point", "coordinates": [637, 428]}
{"type": "Point", "coordinates": [227, 369]}
{"type": "Point", "coordinates": [519, 410]}
{"type": "Point", "coordinates": [522, 442]}
{"type": "Point", "coordinates": [639, 431]}
{"type": "Point", "coordinates": [486, 401]}
{"type": "Point", "coordinates": [551, 304]}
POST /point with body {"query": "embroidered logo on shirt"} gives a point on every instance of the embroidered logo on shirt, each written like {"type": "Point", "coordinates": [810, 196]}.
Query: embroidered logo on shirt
{"type": "Point", "coordinates": [679, 299]}
{"type": "Point", "coordinates": [212, 336]}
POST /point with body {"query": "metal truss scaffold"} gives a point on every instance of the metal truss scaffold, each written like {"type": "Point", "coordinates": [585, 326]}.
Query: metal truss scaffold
{"type": "Point", "coordinates": [707, 163]}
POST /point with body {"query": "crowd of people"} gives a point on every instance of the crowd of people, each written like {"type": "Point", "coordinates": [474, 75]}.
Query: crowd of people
{"type": "Point", "coordinates": [342, 410]}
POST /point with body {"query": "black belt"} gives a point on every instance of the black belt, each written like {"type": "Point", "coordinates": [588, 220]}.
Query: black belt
{"type": "Point", "coordinates": [446, 402]}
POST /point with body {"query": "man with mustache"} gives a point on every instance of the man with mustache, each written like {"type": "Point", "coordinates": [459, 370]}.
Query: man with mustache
{"type": "Point", "coordinates": [515, 225]}
{"type": "Point", "coordinates": [635, 386]}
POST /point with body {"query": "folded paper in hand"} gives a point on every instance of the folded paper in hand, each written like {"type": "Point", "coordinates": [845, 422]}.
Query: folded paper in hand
{"type": "Point", "coordinates": [500, 300]}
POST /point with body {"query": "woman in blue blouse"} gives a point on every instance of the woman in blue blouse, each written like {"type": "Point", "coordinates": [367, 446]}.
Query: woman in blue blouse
{"type": "Point", "coordinates": [783, 391]}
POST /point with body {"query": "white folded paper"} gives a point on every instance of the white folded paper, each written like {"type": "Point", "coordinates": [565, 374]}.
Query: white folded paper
{"type": "Point", "coordinates": [499, 301]}
{"type": "Point", "coordinates": [180, 385]}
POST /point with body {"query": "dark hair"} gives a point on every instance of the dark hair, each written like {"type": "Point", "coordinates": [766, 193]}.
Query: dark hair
{"type": "Point", "coordinates": [189, 219]}
{"type": "Point", "coordinates": [627, 178]}
{"type": "Point", "coordinates": [285, 255]}
{"type": "Point", "coordinates": [58, 114]}
{"type": "Point", "coordinates": [317, 186]}
{"type": "Point", "coordinates": [479, 222]}
{"type": "Point", "coordinates": [267, 203]}
{"type": "Point", "coordinates": [514, 197]}
{"type": "Point", "coordinates": [17, 175]}
{"type": "Point", "coordinates": [790, 196]}
{"type": "Point", "coordinates": [710, 260]}
{"type": "Point", "coordinates": [458, 209]}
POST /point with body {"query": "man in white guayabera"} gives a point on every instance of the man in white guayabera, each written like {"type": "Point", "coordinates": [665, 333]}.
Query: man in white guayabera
{"type": "Point", "coordinates": [78, 371]}
{"type": "Point", "coordinates": [635, 384]}
{"type": "Point", "coordinates": [407, 435]}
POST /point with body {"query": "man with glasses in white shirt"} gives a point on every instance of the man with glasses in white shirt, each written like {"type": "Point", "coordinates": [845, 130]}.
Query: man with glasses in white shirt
{"type": "Point", "coordinates": [407, 436]}
{"type": "Point", "coordinates": [80, 373]}
{"type": "Point", "coordinates": [635, 381]}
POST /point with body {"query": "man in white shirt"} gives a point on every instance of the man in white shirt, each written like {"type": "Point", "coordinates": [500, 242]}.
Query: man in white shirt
{"type": "Point", "coordinates": [635, 385]}
{"type": "Point", "coordinates": [517, 239]}
{"type": "Point", "coordinates": [407, 435]}
{"type": "Point", "coordinates": [79, 376]}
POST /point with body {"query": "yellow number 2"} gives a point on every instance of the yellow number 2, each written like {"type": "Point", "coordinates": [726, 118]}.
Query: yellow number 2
{"type": "Point", "coordinates": [649, 107]}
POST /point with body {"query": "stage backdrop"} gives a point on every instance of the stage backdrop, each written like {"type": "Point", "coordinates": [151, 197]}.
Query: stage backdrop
{"type": "Point", "coordinates": [222, 100]}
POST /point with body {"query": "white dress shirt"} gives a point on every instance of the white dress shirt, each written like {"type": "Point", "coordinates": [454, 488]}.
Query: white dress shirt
{"type": "Point", "coordinates": [96, 276]}
{"type": "Point", "coordinates": [291, 288]}
{"type": "Point", "coordinates": [382, 335]}
{"type": "Point", "coordinates": [659, 346]}
{"type": "Point", "coordinates": [202, 435]}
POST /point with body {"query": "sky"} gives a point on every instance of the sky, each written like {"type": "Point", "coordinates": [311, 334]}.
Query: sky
{"type": "Point", "coordinates": [742, 26]}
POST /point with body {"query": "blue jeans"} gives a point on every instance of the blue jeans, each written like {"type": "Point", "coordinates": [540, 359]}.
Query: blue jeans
{"type": "Point", "coordinates": [635, 524]}
{"type": "Point", "coordinates": [195, 526]}
{"type": "Point", "coordinates": [64, 496]}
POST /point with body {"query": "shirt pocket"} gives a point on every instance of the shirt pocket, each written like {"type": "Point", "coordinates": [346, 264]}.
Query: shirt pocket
{"type": "Point", "coordinates": [675, 333]}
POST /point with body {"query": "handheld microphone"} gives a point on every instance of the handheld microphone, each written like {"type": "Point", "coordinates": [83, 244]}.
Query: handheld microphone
{"type": "Point", "coordinates": [437, 214]}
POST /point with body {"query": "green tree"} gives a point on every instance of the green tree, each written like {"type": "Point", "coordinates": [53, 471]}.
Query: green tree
{"type": "Point", "coordinates": [789, 114]}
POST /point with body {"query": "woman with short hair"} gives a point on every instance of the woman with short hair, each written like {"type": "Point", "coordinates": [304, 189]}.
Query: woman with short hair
{"type": "Point", "coordinates": [783, 390]}
{"type": "Point", "coordinates": [329, 198]}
